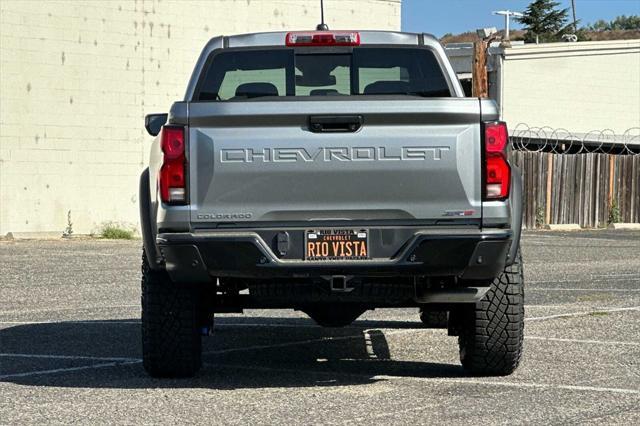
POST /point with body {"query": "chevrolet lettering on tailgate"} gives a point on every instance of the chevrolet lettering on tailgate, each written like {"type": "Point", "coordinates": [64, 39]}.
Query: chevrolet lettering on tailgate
{"type": "Point", "coordinates": [361, 153]}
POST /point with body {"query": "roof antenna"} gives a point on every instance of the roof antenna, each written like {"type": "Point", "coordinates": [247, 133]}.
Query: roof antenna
{"type": "Point", "coordinates": [322, 26]}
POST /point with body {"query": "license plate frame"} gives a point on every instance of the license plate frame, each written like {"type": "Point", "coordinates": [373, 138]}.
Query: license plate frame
{"type": "Point", "coordinates": [336, 244]}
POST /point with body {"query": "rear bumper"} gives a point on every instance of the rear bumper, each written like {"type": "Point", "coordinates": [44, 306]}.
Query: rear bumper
{"type": "Point", "coordinates": [471, 254]}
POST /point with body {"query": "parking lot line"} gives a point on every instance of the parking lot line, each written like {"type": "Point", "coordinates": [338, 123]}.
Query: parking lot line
{"type": "Point", "coordinates": [594, 342]}
{"type": "Point", "coordinates": [544, 306]}
{"type": "Point", "coordinates": [540, 385]}
{"type": "Point", "coordinates": [88, 322]}
{"type": "Point", "coordinates": [74, 308]}
{"type": "Point", "coordinates": [116, 361]}
{"type": "Point", "coordinates": [410, 330]}
{"type": "Point", "coordinates": [619, 290]}
{"type": "Point", "coordinates": [578, 314]}
{"type": "Point", "coordinates": [531, 240]}
{"type": "Point", "coordinates": [66, 370]}
{"type": "Point", "coordinates": [136, 322]}
{"type": "Point", "coordinates": [445, 380]}
{"type": "Point", "coordinates": [394, 332]}
{"type": "Point", "coordinates": [301, 342]}
{"type": "Point", "coordinates": [75, 357]}
{"type": "Point", "coordinates": [623, 278]}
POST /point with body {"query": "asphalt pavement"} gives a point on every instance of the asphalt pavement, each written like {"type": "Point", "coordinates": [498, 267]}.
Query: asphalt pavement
{"type": "Point", "coordinates": [70, 348]}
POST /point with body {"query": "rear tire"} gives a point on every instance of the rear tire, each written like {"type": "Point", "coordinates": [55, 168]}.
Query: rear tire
{"type": "Point", "coordinates": [334, 315]}
{"type": "Point", "coordinates": [492, 332]}
{"type": "Point", "coordinates": [171, 342]}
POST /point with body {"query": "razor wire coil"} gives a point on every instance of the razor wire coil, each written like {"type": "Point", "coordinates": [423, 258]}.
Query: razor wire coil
{"type": "Point", "coordinates": [561, 141]}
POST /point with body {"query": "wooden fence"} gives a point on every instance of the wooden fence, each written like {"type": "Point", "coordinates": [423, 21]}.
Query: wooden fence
{"type": "Point", "coordinates": [579, 188]}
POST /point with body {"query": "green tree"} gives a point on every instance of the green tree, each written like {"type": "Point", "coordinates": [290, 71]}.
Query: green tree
{"type": "Point", "coordinates": [544, 22]}
{"type": "Point", "coordinates": [620, 23]}
{"type": "Point", "coordinates": [599, 25]}
{"type": "Point", "coordinates": [625, 23]}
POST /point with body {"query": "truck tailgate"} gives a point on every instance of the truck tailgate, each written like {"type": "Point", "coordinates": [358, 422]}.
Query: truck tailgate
{"type": "Point", "coordinates": [410, 159]}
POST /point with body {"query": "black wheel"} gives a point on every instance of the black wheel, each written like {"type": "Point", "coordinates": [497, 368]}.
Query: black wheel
{"type": "Point", "coordinates": [433, 319]}
{"type": "Point", "coordinates": [171, 342]}
{"type": "Point", "coordinates": [334, 315]}
{"type": "Point", "coordinates": [491, 333]}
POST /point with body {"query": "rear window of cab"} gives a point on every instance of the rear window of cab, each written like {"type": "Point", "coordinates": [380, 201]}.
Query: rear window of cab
{"type": "Point", "coordinates": [249, 74]}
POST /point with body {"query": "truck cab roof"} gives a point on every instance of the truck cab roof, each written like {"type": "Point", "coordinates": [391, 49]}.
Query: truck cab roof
{"type": "Point", "coordinates": [277, 38]}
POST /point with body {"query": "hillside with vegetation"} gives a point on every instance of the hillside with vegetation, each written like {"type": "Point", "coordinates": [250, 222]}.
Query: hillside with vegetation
{"type": "Point", "coordinates": [621, 28]}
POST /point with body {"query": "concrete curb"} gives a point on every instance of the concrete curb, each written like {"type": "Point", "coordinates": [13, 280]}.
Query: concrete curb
{"type": "Point", "coordinates": [563, 227]}
{"type": "Point", "coordinates": [633, 226]}
{"type": "Point", "coordinates": [13, 236]}
{"type": "Point", "coordinates": [33, 235]}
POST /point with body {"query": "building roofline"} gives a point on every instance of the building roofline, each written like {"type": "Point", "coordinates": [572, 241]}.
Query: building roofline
{"type": "Point", "coordinates": [569, 49]}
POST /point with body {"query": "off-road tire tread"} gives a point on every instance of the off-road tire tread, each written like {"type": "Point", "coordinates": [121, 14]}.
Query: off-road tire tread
{"type": "Point", "coordinates": [492, 332]}
{"type": "Point", "coordinates": [171, 342]}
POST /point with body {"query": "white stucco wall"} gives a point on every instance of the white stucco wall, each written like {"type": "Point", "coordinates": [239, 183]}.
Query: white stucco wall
{"type": "Point", "coordinates": [580, 87]}
{"type": "Point", "coordinates": [77, 78]}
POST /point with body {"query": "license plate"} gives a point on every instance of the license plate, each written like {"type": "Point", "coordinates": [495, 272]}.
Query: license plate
{"type": "Point", "coordinates": [336, 244]}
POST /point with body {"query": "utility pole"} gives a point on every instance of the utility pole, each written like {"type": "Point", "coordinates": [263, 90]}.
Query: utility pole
{"type": "Point", "coordinates": [507, 19]}
{"type": "Point", "coordinates": [480, 79]}
{"type": "Point", "coordinates": [575, 21]}
{"type": "Point", "coordinates": [480, 88]}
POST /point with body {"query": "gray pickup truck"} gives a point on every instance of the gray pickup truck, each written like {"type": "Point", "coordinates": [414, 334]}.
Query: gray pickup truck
{"type": "Point", "coordinates": [330, 172]}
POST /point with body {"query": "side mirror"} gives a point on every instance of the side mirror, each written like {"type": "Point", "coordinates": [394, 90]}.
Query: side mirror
{"type": "Point", "coordinates": [154, 122]}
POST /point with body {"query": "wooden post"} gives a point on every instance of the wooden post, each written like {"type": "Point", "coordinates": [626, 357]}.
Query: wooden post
{"type": "Point", "coordinates": [547, 206]}
{"type": "Point", "coordinates": [611, 174]}
{"type": "Point", "coordinates": [480, 80]}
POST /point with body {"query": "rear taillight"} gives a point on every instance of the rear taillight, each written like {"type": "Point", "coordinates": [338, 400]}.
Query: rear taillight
{"type": "Point", "coordinates": [497, 172]}
{"type": "Point", "coordinates": [173, 180]}
{"type": "Point", "coordinates": [323, 38]}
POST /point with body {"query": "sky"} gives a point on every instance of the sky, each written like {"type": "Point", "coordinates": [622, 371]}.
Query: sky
{"type": "Point", "coordinates": [439, 17]}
